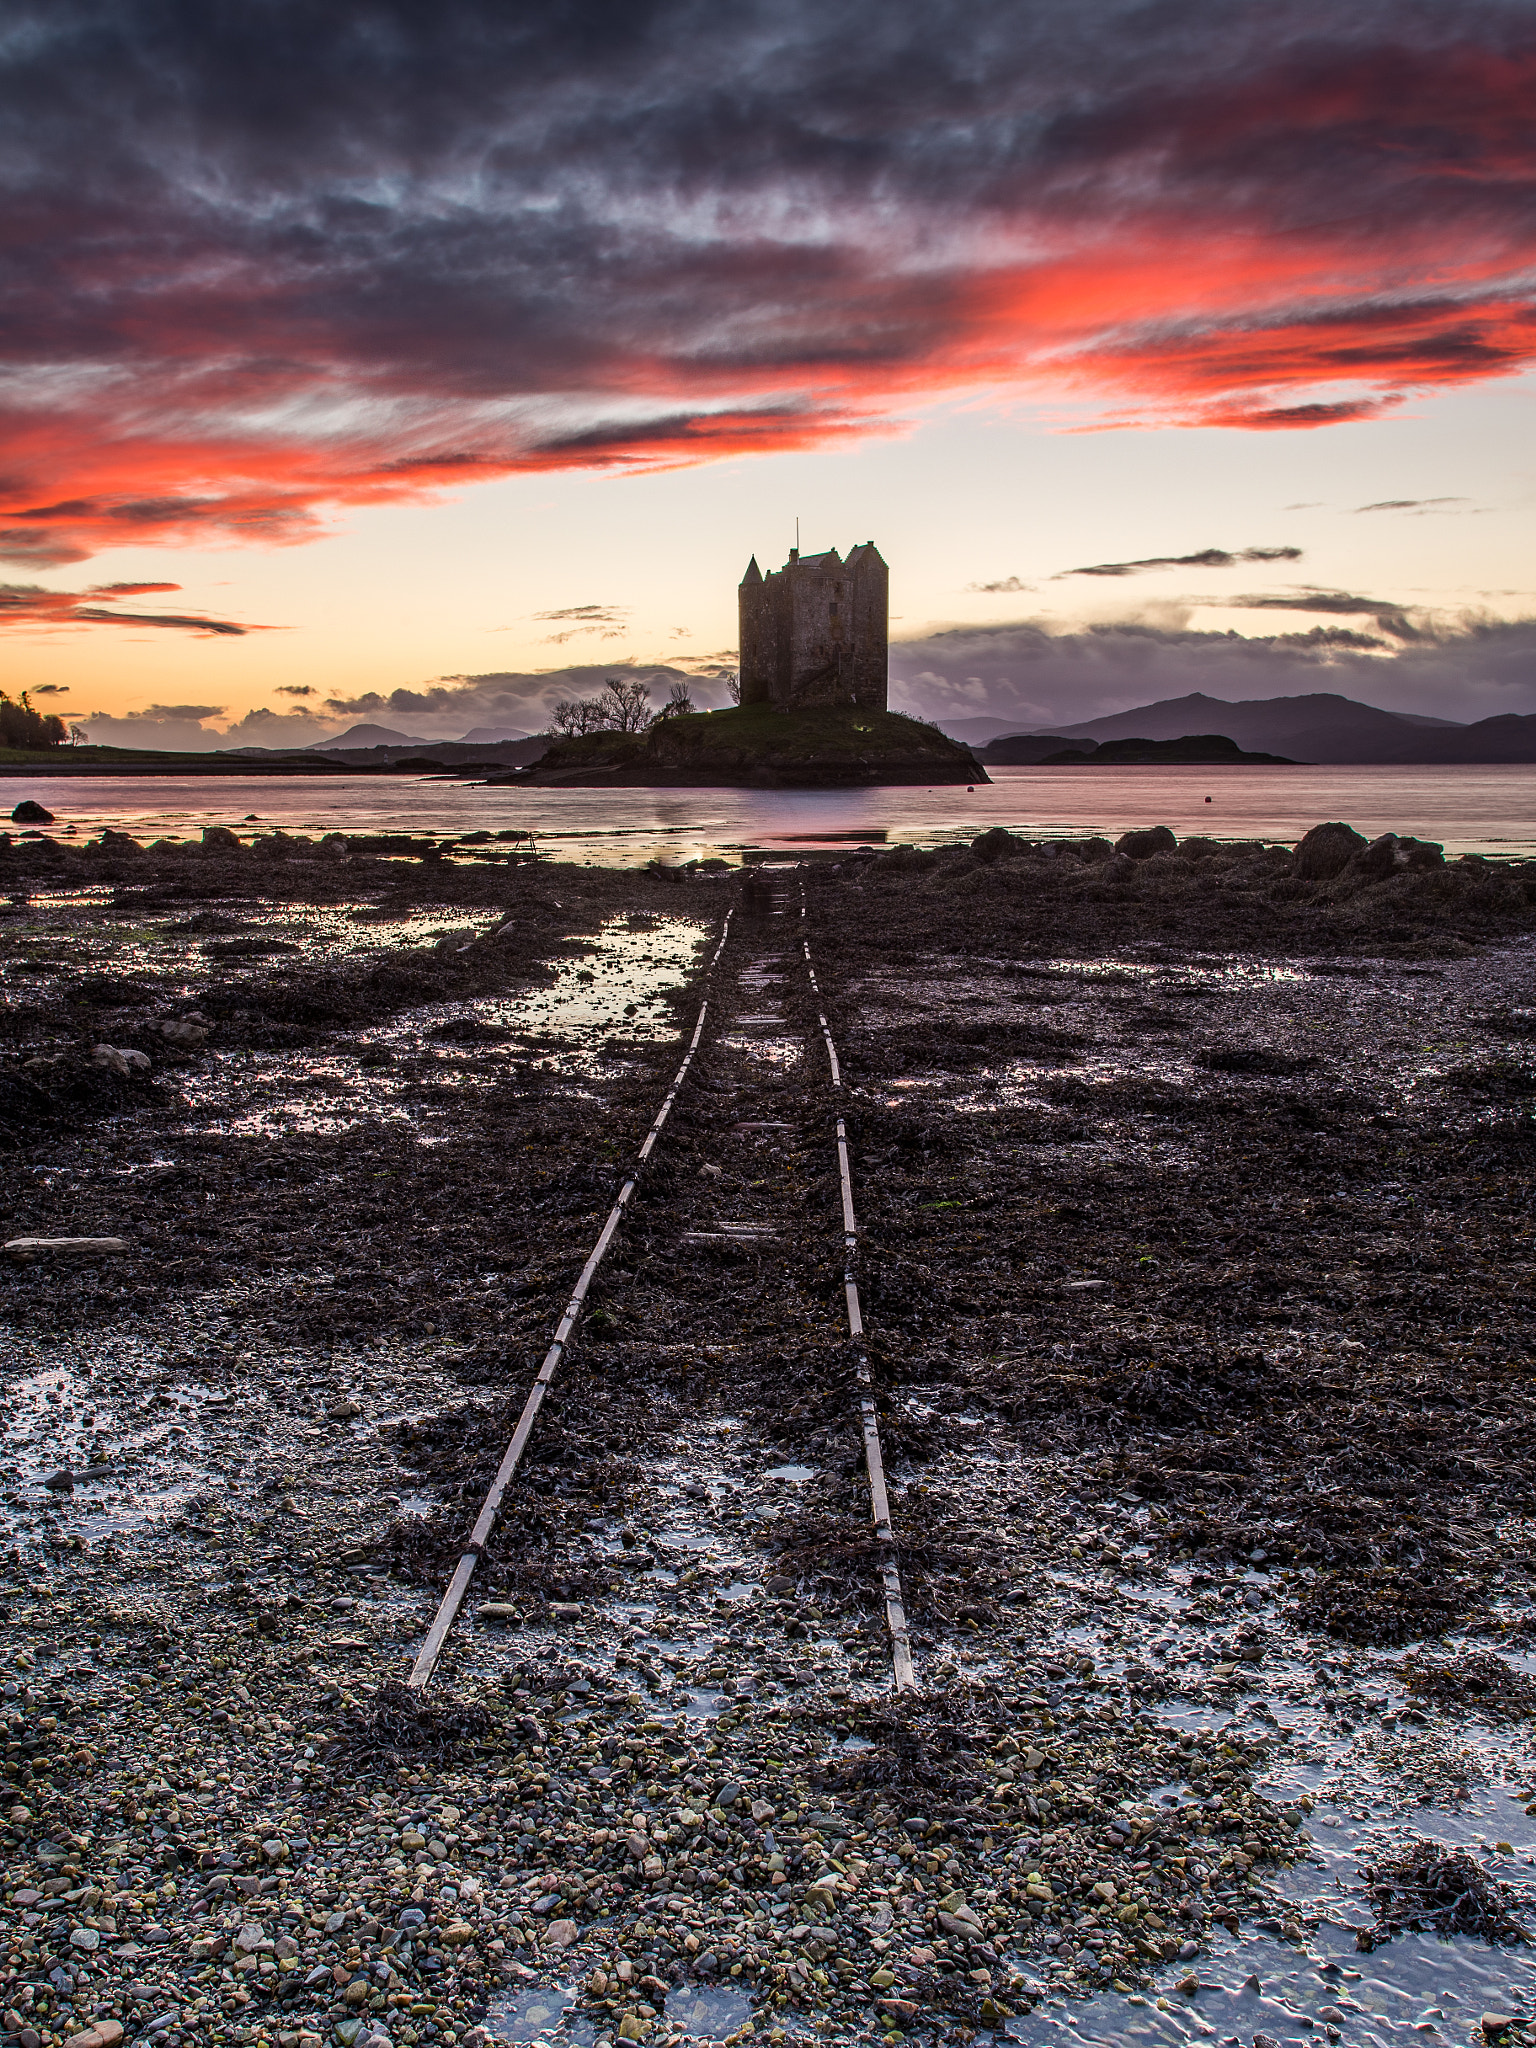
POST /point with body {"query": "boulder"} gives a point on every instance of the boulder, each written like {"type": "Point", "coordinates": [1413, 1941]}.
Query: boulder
{"type": "Point", "coordinates": [998, 845]}
{"type": "Point", "coordinates": [29, 813]}
{"type": "Point", "coordinates": [1142, 845]}
{"type": "Point", "coordinates": [220, 839]}
{"type": "Point", "coordinates": [1325, 852]}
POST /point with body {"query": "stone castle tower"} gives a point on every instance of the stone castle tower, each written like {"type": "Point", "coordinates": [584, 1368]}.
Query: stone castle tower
{"type": "Point", "coordinates": [816, 631]}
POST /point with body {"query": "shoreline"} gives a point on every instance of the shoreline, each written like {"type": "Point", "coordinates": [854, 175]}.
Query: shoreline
{"type": "Point", "coordinates": [1198, 1297]}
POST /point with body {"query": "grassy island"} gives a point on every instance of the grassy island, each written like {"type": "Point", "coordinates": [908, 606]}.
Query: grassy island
{"type": "Point", "coordinates": [757, 746]}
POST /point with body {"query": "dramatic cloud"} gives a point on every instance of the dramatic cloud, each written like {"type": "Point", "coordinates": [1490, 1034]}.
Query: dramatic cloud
{"type": "Point", "coordinates": [1045, 679]}
{"type": "Point", "coordinates": [260, 263]}
{"type": "Point", "coordinates": [27, 604]}
{"type": "Point", "coordinates": [1208, 558]}
{"type": "Point", "coordinates": [456, 704]}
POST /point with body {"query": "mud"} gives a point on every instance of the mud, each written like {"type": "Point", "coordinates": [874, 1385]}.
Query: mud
{"type": "Point", "coordinates": [1196, 1251]}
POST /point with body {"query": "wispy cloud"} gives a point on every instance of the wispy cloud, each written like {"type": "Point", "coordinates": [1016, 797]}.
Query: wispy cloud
{"type": "Point", "coordinates": [1207, 558]}
{"type": "Point", "coordinates": [28, 604]}
{"type": "Point", "coordinates": [1390, 617]}
{"type": "Point", "coordinates": [1006, 587]}
{"type": "Point", "coordinates": [338, 257]}
{"type": "Point", "coordinates": [1411, 504]}
{"type": "Point", "coordinates": [295, 690]}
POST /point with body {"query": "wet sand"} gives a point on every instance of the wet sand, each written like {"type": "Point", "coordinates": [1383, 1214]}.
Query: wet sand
{"type": "Point", "coordinates": [1196, 1252]}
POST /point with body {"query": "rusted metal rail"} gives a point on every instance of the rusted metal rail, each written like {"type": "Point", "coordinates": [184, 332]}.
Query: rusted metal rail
{"type": "Point", "coordinates": [874, 1459]}
{"type": "Point", "coordinates": [485, 1521]}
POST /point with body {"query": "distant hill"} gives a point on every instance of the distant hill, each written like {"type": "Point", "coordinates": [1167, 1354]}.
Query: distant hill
{"type": "Point", "coordinates": [365, 736]}
{"type": "Point", "coordinates": [492, 735]}
{"type": "Point", "coordinates": [1321, 727]}
{"type": "Point", "coordinates": [976, 732]}
{"type": "Point", "coordinates": [1199, 749]}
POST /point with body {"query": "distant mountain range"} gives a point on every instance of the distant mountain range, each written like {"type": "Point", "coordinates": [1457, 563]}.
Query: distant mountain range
{"type": "Point", "coordinates": [385, 736]}
{"type": "Point", "coordinates": [1320, 727]}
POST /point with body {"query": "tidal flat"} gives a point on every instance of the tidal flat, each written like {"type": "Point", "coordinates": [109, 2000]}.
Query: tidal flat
{"type": "Point", "coordinates": [1196, 1247]}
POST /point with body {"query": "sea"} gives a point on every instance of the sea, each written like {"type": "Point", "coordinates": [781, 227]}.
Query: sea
{"type": "Point", "coordinates": [1488, 810]}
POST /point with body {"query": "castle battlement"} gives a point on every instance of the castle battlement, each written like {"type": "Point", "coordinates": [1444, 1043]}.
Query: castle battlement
{"type": "Point", "coordinates": [817, 631]}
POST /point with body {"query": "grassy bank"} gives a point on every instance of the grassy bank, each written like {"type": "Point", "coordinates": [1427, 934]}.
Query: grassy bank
{"type": "Point", "coordinates": [758, 746]}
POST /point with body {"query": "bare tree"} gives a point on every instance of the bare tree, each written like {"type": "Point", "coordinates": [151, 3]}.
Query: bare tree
{"type": "Point", "coordinates": [733, 684]}
{"type": "Point", "coordinates": [679, 704]}
{"type": "Point", "coordinates": [78, 736]}
{"type": "Point", "coordinates": [573, 717]}
{"type": "Point", "coordinates": [626, 704]}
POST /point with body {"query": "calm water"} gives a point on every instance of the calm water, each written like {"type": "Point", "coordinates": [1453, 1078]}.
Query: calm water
{"type": "Point", "coordinates": [1471, 810]}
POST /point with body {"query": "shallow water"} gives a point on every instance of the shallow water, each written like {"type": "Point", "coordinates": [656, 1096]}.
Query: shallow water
{"type": "Point", "coordinates": [1469, 809]}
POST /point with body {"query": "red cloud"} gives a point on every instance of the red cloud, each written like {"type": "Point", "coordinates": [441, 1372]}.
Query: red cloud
{"type": "Point", "coordinates": [28, 605]}
{"type": "Point", "coordinates": [512, 252]}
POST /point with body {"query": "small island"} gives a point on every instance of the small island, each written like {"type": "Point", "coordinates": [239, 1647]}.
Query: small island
{"type": "Point", "coordinates": [1194, 749]}
{"type": "Point", "coordinates": [759, 746]}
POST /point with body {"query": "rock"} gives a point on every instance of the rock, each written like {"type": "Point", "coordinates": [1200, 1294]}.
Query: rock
{"type": "Point", "coordinates": [412, 1916]}
{"type": "Point", "coordinates": [1188, 1950]}
{"type": "Point", "coordinates": [184, 1032]}
{"type": "Point", "coordinates": [728, 1794]}
{"type": "Point", "coordinates": [1497, 2024]}
{"type": "Point", "coordinates": [220, 839]}
{"type": "Point", "coordinates": [459, 1934]}
{"type": "Point", "coordinates": [960, 1926]}
{"type": "Point", "coordinates": [1142, 845]}
{"type": "Point", "coordinates": [104, 2034]}
{"type": "Point", "coordinates": [1325, 852]}
{"type": "Point", "coordinates": [997, 844]}
{"type": "Point", "coordinates": [500, 1612]}
{"type": "Point", "coordinates": [29, 813]}
{"type": "Point", "coordinates": [85, 1247]}
{"type": "Point", "coordinates": [109, 1057]}
{"type": "Point", "coordinates": [564, 1610]}
{"type": "Point", "coordinates": [344, 1411]}
{"type": "Point", "coordinates": [898, 2008]}
{"type": "Point", "coordinates": [84, 1937]}
{"type": "Point", "coordinates": [561, 1933]}
{"type": "Point", "coordinates": [633, 2028]}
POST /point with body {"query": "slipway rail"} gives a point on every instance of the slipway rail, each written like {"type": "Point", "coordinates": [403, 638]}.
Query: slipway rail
{"type": "Point", "coordinates": [874, 1458]}
{"type": "Point", "coordinates": [886, 1550]}
{"type": "Point", "coordinates": [485, 1521]}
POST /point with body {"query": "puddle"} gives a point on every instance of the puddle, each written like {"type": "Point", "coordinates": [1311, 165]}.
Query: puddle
{"type": "Point", "coordinates": [1417, 1987]}
{"type": "Point", "coordinates": [773, 1052]}
{"type": "Point", "coordinates": [545, 2013]}
{"type": "Point", "coordinates": [708, 2015]}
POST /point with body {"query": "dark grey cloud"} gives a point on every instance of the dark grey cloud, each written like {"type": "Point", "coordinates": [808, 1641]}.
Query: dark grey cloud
{"type": "Point", "coordinates": [1207, 558]}
{"type": "Point", "coordinates": [257, 261]}
{"type": "Point", "coordinates": [1044, 679]}
{"type": "Point", "coordinates": [1390, 618]}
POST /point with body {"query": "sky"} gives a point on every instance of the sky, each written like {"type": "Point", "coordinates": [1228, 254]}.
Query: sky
{"type": "Point", "coordinates": [420, 363]}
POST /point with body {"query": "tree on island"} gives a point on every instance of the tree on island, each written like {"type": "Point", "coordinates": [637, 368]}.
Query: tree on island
{"type": "Point", "coordinates": [21, 726]}
{"type": "Point", "coordinates": [624, 706]}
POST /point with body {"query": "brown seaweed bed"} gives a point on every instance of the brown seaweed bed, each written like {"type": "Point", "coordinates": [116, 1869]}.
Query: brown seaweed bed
{"type": "Point", "coordinates": [1196, 1243]}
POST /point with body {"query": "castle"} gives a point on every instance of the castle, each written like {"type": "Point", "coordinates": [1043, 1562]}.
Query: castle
{"type": "Point", "coordinates": [816, 631]}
